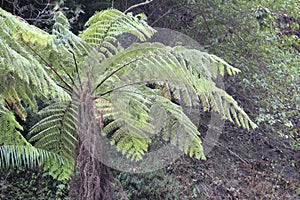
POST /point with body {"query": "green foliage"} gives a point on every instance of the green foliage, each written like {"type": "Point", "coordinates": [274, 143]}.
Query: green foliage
{"type": "Point", "coordinates": [155, 185]}
{"type": "Point", "coordinates": [12, 156]}
{"type": "Point", "coordinates": [258, 38]}
{"type": "Point", "coordinates": [56, 131]}
{"type": "Point", "coordinates": [105, 26]}
{"type": "Point", "coordinates": [24, 183]}
{"type": "Point", "coordinates": [64, 64]}
{"type": "Point", "coordinates": [10, 125]}
{"type": "Point", "coordinates": [160, 68]}
{"type": "Point", "coordinates": [130, 123]}
{"type": "Point", "coordinates": [22, 74]}
{"type": "Point", "coordinates": [23, 78]}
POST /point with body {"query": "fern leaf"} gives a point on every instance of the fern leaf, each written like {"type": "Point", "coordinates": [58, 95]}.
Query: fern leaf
{"type": "Point", "coordinates": [10, 128]}
{"type": "Point", "coordinates": [12, 156]}
{"type": "Point", "coordinates": [56, 131]}
{"type": "Point", "coordinates": [104, 27]}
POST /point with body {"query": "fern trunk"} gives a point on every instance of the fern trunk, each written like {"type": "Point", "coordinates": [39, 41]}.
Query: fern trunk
{"type": "Point", "coordinates": [91, 179]}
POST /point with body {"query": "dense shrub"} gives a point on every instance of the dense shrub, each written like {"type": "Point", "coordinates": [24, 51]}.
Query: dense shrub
{"type": "Point", "coordinates": [31, 184]}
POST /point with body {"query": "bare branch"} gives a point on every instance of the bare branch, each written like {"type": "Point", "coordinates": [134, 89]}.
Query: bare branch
{"type": "Point", "coordinates": [137, 5]}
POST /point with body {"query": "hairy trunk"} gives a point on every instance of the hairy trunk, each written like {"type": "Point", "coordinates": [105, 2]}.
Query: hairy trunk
{"type": "Point", "coordinates": [91, 179]}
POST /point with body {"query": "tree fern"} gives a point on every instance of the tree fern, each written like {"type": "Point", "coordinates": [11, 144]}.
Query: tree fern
{"type": "Point", "coordinates": [99, 87]}
{"type": "Point", "coordinates": [190, 75]}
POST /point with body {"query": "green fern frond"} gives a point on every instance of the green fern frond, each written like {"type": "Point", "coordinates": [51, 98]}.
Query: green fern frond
{"type": "Point", "coordinates": [19, 29]}
{"type": "Point", "coordinates": [56, 131]}
{"type": "Point", "coordinates": [191, 82]}
{"type": "Point", "coordinates": [20, 43]}
{"type": "Point", "coordinates": [104, 27]}
{"type": "Point", "coordinates": [68, 40]}
{"type": "Point", "coordinates": [128, 123]}
{"type": "Point", "coordinates": [229, 109]}
{"type": "Point", "coordinates": [12, 156]}
{"type": "Point", "coordinates": [10, 128]}
{"type": "Point", "coordinates": [179, 130]}
{"type": "Point", "coordinates": [204, 62]}
{"type": "Point", "coordinates": [133, 147]}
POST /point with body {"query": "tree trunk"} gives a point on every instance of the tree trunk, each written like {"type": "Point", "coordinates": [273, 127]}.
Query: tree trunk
{"type": "Point", "coordinates": [91, 179]}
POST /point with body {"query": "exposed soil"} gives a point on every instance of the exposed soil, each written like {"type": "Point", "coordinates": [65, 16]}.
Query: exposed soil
{"type": "Point", "coordinates": [243, 165]}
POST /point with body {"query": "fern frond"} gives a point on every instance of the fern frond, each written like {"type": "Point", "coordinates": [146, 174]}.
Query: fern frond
{"type": "Point", "coordinates": [104, 27]}
{"type": "Point", "coordinates": [179, 130]}
{"type": "Point", "coordinates": [127, 120]}
{"type": "Point", "coordinates": [135, 122]}
{"type": "Point", "coordinates": [10, 128]}
{"type": "Point", "coordinates": [56, 131]}
{"type": "Point", "coordinates": [20, 30]}
{"type": "Point", "coordinates": [18, 40]}
{"type": "Point", "coordinates": [204, 62]}
{"type": "Point", "coordinates": [65, 39]}
{"type": "Point", "coordinates": [12, 156]}
{"type": "Point", "coordinates": [191, 81]}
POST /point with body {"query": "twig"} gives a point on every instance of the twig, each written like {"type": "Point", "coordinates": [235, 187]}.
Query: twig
{"type": "Point", "coordinates": [233, 153]}
{"type": "Point", "coordinates": [137, 5]}
{"type": "Point", "coordinates": [205, 22]}
{"type": "Point", "coordinates": [166, 13]}
{"type": "Point", "coordinates": [39, 14]}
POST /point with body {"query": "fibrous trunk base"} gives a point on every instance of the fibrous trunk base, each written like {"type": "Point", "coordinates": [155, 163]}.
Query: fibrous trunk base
{"type": "Point", "coordinates": [91, 179]}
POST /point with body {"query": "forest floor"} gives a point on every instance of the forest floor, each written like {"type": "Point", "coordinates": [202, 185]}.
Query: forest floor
{"type": "Point", "coordinates": [243, 165]}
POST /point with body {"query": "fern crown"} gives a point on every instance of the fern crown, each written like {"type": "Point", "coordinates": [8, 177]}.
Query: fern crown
{"type": "Point", "coordinates": [125, 84]}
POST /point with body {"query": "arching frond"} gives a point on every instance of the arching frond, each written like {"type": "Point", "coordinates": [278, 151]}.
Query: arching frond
{"type": "Point", "coordinates": [56, 131]}
{"type": "Point", "coordinates": [133, 124]}
{"type": "Point", "coordinates": [127, 122]}
{"type": "Point", "coordinates": [205, 62]}
{"type": "Point", "coordinates": [179, 130]}
{"type": "Point", "coordinates": [10, 128]}
{"type": "Point", "coordinates": [18, 61]}
{"type": "Point", "coordinates": [192, 81]}
{"type": "Point", "coordinates": [71, 49]}
{"type": "Point", "coordinates": [18, 29]}
{"type": "Point", "coordinates": [104, 27]}
{"type": "Point", "coordinates": [12, 156]}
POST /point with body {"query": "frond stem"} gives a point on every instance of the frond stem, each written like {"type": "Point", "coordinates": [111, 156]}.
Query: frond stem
{"type": "Point", "coordinates": [67, 89]}
{"type": "Point", "coordinates": [77, 71]}
{"type": "Point", "coordinates": [70, 77]}
{"type": "Point", "coordinates": [123, 86]}
{"type": "Point", "coordinates": [112, 73]}
{"type": "Point", "coordinates": [50, 66]}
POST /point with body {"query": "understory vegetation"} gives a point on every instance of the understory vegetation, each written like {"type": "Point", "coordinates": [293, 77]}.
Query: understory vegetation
{"type": "Point", "coordinates": [259, 39]}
